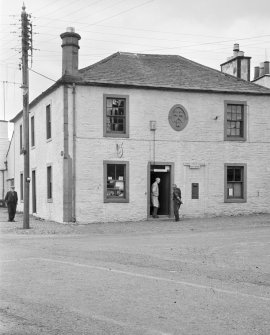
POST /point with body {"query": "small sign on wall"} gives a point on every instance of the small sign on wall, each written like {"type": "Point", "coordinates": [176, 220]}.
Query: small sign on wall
{"type": "Point", "coordinates": [195, 191]}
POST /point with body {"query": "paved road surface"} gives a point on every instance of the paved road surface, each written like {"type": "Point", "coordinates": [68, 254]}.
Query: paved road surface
{"type": "Point", "coordinates": [196, 277]}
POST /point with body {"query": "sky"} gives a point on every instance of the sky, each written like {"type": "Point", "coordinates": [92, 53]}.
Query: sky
{"type": "Point", "coordinates": [201, 30]}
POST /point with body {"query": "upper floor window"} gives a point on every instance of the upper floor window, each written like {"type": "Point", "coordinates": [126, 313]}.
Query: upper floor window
{"type": "Point", "coordinates": [48, 122]}
{"type": "Point", "coordinates": [116, 115]}
{"type": "Point", "coordinates": [235, 182]}
{"type": "Point", "coordinates": [235, 121]}
{"type": "Point", "coordinates": [32, 131]}
{"type": "Point", "coordinates": [116, 179]}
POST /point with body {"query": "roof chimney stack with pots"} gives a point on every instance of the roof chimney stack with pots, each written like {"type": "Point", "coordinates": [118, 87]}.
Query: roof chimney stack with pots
{"type": "Point", "coordinates": [70, 53]}
{"type": "Point", "coordinates": [237, 65]}
{"type": "Point", "coordinates": [262, 74]}
{"type": "Point", "coordinates": [262, 70]}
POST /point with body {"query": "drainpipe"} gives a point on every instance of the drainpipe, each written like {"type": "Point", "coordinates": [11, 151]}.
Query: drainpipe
{"type": "Point", "coordinates": [74, 154]}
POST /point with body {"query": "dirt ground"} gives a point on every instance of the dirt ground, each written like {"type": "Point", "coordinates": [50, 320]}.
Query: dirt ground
{"type": "Point", "coordinates": [194, 277]}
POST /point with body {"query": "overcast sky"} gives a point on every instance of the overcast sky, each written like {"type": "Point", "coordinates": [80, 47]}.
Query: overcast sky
{"type": "Point", "coordinates": [201, 30]}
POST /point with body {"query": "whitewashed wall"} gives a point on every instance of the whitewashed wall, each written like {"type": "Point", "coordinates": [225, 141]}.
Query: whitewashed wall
{"type": "Point", "coordinates": [201, 141]}
{"type": "Point", "coordinates": [44, 153]}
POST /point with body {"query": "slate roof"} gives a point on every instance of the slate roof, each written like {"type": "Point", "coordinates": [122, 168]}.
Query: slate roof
{"type": "Point", "coordinates": [164, 71]}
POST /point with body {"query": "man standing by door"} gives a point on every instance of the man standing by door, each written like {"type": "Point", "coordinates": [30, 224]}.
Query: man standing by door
{"type": "Point", "coordinates": [11, 200]}
{"type": "Point", "coordinates": [177, 201]}
{"type": "Point", "coordinates": [154, 197]}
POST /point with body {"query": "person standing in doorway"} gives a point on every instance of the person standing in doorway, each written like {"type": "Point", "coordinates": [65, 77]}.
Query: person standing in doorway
{"type": "Point", "coordinates": [11, 200]}
{"type": "Point", "coordinates": [154, 197]}
{"type": "Point", "coordinates": [177, 201]}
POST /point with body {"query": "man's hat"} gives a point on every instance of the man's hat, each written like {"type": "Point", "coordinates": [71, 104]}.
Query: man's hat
{"type": "Point", "coordinates": [174, 185]}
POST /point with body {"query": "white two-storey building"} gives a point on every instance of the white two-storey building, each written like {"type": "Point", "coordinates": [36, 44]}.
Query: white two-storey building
{"type": "Point", "coordinates": [100, 136]}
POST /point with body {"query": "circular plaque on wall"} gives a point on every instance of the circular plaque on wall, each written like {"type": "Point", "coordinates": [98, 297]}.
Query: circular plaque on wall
{"type": "Point", "coordinates": [178, 117]}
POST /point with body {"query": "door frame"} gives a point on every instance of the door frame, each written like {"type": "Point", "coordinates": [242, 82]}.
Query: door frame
{"type": "Point", "coordinates": [150, 163]}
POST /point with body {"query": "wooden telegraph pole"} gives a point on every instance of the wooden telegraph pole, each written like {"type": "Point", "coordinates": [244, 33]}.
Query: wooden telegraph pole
{"type": "Point", "coordinates": [25, 87]}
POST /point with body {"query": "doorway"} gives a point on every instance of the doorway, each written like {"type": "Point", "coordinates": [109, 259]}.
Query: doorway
{"type": "Point", "coordinates": [164, 171]}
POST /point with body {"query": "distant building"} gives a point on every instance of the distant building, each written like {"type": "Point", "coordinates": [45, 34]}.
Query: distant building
{"type": "Point", "coordinates": [262, 74]}
{"type": "Point", "coordinates": [4, 144]}
{"type": "Point", "coordinates": [100, 136]}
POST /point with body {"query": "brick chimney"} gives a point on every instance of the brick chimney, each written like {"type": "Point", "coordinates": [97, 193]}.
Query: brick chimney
{"type": "Point", "coordinates": [237, 65]}
{"type": "Point", "coordinates": [70, 53]}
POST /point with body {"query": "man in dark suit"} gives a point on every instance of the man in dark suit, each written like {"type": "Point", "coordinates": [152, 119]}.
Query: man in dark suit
{"type": "Point", "coordinates": [177, 201]}
{"type": "Point", "coordinates": [11, 200]}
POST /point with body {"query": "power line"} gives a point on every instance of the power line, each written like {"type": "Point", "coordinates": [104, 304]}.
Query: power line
{"type": "Point", "coordinates": [42, 75]}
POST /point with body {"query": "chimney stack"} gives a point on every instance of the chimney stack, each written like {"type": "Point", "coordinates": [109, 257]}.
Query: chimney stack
{"type": "Point", "coordinates": [70, 53]}
{"type": "Point", "coordinates": [237, 65]}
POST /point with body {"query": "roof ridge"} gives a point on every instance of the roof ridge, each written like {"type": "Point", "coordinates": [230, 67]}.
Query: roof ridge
{"type": "Point", "coordinates": [104, 60]}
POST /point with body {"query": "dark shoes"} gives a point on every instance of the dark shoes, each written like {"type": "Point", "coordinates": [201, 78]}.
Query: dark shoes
{"type": "Point", "coordinates": [155, 216]}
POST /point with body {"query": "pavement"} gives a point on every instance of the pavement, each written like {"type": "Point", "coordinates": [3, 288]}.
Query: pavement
{"type": "Point", "coordinates": [194, 277]}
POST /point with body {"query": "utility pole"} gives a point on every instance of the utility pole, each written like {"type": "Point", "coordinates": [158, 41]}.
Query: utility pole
{"type": "Point", "coordinates": [26, 46]}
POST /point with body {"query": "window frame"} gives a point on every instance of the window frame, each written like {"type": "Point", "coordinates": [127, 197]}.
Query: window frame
{"type": "Point", "coordinates": [49, 183]}
{"type": "Point", "coordinates": [48, 122]}
{"type": "Point", "coordinates": [244, 168]}
{"type": "Point", "coordinates": [235, 103]}
{"type": "Point", "coordinates": [112, 134]}
{"type": "Point", "coordinates": [32, 121]}
{"type": "Point", "coordinates": [105, 172]}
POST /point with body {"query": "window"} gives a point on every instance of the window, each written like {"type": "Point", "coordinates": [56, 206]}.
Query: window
{"type": "Point", "coordinates": [21, 139]}
{"type": "Point", "coordinates": [49, 182]}
{"type": "Point", "coordinates": [235, 183]}
{"type": "Point", "coordinates": [32, 131]}
{"type": "Point", "coordinates": [21, 186]}
{"type": "Point", "coordinates": [116, 178]}
{"type": "Point", "coordinates": [48, 122]}
{"type": "Point", "coordinates": [235, 121]}
{"type": "Point", "coordinates": [116, 116]}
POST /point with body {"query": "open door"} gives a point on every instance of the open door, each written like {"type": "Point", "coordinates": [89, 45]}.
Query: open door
{"type": "Point", "coordinates": [164, 172]}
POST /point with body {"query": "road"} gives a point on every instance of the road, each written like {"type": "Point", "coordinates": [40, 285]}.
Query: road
{"type": "Point", "coordinates": [195, 277]}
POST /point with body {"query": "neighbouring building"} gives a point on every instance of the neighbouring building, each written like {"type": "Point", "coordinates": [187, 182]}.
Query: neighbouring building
{"type": "Point", "coordinates": [262, 74]}
{"type": "Point", "coordinates": [4, 144]}
{"type": "Point", "coordinates": [101, 135]}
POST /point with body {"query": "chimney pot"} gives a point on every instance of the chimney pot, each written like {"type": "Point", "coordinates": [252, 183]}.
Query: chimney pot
{"type": "Point", "coordinates": [236, 47]}
{"type": "Point", "coordinates": [70, 30]}
{"type": "Point", "coordinates": [261, 69]}
{"type": "Point", "coordinates": [256, 72]}
{"type": "Point", "coordinates": [266, 67]}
